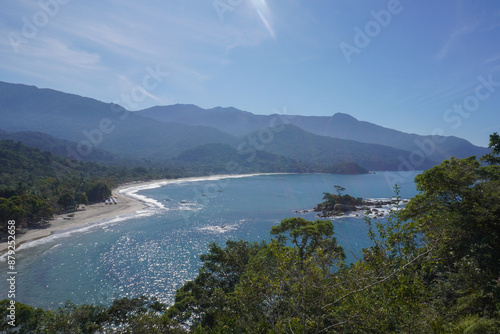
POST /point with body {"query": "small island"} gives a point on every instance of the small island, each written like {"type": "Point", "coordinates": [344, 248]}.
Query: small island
{"type": "Point", "coordinates": [338, 205]}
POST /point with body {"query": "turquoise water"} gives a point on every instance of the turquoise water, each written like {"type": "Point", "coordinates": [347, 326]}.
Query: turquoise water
{"type": "Point", "coordinates": [156, 251]}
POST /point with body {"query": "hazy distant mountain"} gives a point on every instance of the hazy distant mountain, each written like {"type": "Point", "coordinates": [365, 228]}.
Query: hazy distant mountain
{"type": "Point", "coordinates": [94, 124]}
{"type": "Point", "coordinates": [230, 120]}
{"type": "Point", "coordinates": [340, 125]}
{"type": "Point", "coordinates": [298, 144]}
{"type": "Point", "coordinates": [345, 126]}
{"type": "Point", "coordinates": [92, 130]}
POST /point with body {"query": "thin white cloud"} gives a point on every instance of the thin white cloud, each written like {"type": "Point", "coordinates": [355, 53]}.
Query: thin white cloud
{"type": "Point", "coordinates": [188, 43]}
{"type": "Point", "coordinates": [434, 92]}
{"type": "Point", "coordinates": [58, 51]}
{"type": "Point", "coordinates": [454, 39]}
{"type": "Point", "coordinates": [492, 59]}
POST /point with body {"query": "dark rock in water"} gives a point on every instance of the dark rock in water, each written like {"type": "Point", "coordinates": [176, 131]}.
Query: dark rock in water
{"type": "Point", "coordinates": [343, 207]}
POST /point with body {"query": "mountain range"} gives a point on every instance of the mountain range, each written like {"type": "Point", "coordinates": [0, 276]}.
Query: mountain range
{"type": "Point", "coordinates": [86, 129]}
{"type": "Point", "coordinates": [340, 125]}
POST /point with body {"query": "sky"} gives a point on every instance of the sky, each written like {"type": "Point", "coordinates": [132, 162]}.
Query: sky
{"type": "Point", "coordinates": [419, 66]}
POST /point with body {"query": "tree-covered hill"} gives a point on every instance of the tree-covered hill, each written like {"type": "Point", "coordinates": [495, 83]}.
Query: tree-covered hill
{"type": "Point", "coordinates": [25, 164]}
{"type": "Point", "coordinates": [36, 184]}
{"type": "Point", "coordinates": [220, 158]}
{"type": "Point", "coordinates": [58, 146]}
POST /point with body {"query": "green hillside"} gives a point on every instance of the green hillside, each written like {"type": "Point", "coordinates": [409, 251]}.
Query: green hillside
{"type": "Point", "coordinates": [35, 184]}
{"type": "Point", "coordinates": [60, 147]}
{"type": "Point", "coordinates": [220, 158]}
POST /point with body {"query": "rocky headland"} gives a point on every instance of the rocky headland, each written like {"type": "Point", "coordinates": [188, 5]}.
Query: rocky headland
{"type": "Point", "coordinates": [341, 205]}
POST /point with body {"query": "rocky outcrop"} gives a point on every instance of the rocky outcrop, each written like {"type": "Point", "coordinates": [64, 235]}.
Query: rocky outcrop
{"type": "Point", "coordinates": [373, 207]}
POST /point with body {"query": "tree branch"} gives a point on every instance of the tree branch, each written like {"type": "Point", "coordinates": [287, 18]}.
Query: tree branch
{"type": "Point", "coordinates": [379, 281]}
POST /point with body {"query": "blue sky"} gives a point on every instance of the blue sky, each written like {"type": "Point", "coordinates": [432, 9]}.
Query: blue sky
{"type": "Point", "coordinates": [421, 66]}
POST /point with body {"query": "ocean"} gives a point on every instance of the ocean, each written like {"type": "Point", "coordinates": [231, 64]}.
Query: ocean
{"type": "Point", "coordinates": [155, 251]}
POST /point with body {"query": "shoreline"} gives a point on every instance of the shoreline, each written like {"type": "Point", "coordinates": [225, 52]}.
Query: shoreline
{"type": "Point", "coordinates": [129, 204]}
{"type": "Point", "coordinates": [81, 218]}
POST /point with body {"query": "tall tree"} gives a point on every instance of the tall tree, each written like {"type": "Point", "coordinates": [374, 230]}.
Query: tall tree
{"type": "Point", "coordinates": [287, 286]}
{"type": "Point", "coordinates": [458, 210]}
{"type": "Point", "coordinates": [493, 158]}
{"type": "Point", "coordinates": [203, 302]}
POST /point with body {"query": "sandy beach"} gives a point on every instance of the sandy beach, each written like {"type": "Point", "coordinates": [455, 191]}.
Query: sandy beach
{"type": "Point", "coordinates": [82, 217]}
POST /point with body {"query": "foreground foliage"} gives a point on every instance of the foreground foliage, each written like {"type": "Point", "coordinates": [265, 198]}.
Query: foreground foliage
{"type": "Point", "coordinates": [433, 267]}
{"type": "Point", "coordinates": [124, 316]}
